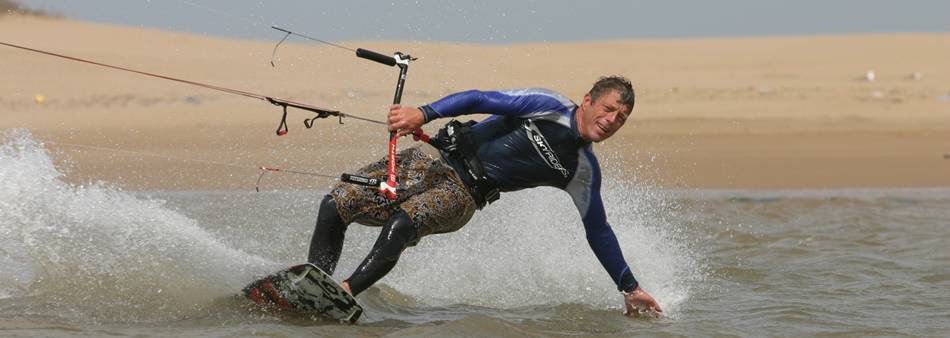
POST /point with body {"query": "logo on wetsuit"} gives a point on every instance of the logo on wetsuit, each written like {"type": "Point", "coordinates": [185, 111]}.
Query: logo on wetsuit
{"type": "Point", "coordinates": [541, 145]}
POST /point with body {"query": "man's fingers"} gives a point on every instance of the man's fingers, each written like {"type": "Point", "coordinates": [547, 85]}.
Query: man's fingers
{"type": "Point", "coordinates": [654, 305]}
{"type": "Point", "coordinates": [655, 309]}
{"type": "Point", "coordinates": [394, 122]}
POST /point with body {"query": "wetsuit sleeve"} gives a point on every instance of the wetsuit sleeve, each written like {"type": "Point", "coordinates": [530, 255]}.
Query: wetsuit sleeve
{"type": "Point", "coordinates": [515, 103]}
{"type": "Point", "coordinates": [584, 189]}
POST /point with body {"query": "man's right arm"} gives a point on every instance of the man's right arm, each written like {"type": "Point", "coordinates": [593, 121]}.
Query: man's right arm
{"type": "Point", "coordinates": [514, 103]}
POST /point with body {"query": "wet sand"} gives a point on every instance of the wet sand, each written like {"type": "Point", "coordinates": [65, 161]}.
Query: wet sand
{"type": "Point", "coordinates": [778, 112]}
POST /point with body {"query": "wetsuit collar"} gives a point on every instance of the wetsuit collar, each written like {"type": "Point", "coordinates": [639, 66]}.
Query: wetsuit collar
{"type": "Point", "coordinates": [574, 131]}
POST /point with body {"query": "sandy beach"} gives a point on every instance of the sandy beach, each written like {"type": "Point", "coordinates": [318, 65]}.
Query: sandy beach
{"type": "Point", "coordinates": [776, 112]}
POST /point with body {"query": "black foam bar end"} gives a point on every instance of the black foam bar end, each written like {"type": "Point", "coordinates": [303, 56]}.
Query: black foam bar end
{"type": "Point", "coordinates": [371, 55]}
{"type": "Point", "coordinates": [360, 180]}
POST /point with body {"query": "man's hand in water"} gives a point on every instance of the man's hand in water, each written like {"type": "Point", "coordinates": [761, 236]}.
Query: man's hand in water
{"type": "Point", "coordinates": [639, 300]}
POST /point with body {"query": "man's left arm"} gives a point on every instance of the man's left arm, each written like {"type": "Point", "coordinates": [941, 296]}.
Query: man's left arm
{"type": "Point", "coordinates": [604, 243]}
{"type": "Point", "coordinates": [584, 189]}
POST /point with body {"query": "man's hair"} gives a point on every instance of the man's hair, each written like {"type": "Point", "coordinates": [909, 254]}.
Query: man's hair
{"type": "Point", "coordinates": [614, 82]}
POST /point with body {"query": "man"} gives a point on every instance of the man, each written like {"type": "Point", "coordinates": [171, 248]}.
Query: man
{"type": "Point", "coordinates": [535, 137]}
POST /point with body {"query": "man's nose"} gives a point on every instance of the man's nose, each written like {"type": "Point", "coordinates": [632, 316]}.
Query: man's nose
{"type": "Point", "coordinates": [611, 118]}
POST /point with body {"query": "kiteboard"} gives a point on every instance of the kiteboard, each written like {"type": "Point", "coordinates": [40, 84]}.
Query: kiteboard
{"type": "Point", "coordinates": [304, 289]}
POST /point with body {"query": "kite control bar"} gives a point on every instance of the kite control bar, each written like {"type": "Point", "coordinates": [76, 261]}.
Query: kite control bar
{"type": "Point", "coordinates": [387, 187]}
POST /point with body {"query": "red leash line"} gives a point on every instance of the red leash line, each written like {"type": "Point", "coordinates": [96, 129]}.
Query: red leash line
{"type": "Point", "coordinates": [263, 169]}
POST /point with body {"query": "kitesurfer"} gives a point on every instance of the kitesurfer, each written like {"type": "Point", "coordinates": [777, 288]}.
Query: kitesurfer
{"type": "Point", "coordinates": [534, 137]}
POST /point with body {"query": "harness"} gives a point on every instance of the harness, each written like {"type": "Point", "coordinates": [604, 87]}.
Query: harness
{"type": "Point", "coordinates": [456, 143]}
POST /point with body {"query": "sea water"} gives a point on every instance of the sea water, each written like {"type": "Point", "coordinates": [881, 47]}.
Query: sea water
{"type": "Point", "coordinates": [96, 260]}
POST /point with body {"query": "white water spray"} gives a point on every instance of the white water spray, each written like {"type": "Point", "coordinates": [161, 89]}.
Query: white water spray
{"type": "Point", "coordinates": [96, 252]}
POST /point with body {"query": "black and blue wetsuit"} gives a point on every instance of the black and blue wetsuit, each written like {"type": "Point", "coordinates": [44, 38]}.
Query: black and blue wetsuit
{"type": "Point", "coordinates": [532, 140]}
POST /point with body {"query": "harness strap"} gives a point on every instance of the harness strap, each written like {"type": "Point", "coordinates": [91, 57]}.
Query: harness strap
{"type": "Point", "coordinates": [456, 139]}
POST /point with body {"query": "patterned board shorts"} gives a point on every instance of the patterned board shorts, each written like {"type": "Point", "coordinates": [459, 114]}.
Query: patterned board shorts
{"type": "Point", "coordinates": [428, 190]}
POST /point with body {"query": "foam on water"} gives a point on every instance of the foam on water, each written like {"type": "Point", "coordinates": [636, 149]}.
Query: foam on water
{"type": "Point", "coordinates": [530, 249]}
{"type": "Point", "coordinates": [96, 252]}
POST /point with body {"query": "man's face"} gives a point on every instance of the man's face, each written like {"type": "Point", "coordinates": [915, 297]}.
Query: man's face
{"type": "Point", "coordinates": [599, 120]}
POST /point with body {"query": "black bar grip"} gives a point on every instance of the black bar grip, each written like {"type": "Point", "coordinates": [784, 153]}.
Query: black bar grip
{"type": "Point", "coordinates": [360, 180]}
{"type": "Point", "coordinates": [371, 55]}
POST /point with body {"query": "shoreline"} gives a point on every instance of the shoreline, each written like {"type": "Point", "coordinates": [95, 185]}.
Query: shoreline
{"type": "Point", "coordinates": [668, 161]}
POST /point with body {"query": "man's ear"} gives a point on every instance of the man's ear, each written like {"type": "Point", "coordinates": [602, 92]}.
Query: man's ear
{"type": "Point", "coordinates": [587, 100]}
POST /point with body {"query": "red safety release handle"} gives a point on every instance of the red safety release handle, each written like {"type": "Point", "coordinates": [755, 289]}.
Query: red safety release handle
{"type": "Point", "coordinates": [388, 188]}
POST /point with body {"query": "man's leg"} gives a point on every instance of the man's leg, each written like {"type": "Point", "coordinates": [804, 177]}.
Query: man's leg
{"type": "Point", "coordinates": [327, 241]}
{"type": "Point", "coordinates": [393, 239]}
{"type": "Point", "coordinates": [432, 200]}
{"type": "Point", "coordinates": [348, 203]}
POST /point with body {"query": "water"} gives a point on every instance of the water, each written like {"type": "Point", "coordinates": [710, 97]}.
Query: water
{"type": "Point", "coordinates": [96, 260]}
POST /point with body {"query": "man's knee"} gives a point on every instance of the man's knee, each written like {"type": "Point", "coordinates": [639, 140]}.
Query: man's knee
{"type": "Point", "coordinates": [328, 214]}
{"type": "Point", "coordinates": [400, 225]}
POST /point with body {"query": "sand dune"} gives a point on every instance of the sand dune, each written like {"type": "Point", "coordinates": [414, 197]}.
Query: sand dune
{"type": "Point", "coordinates": [779, 112]}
